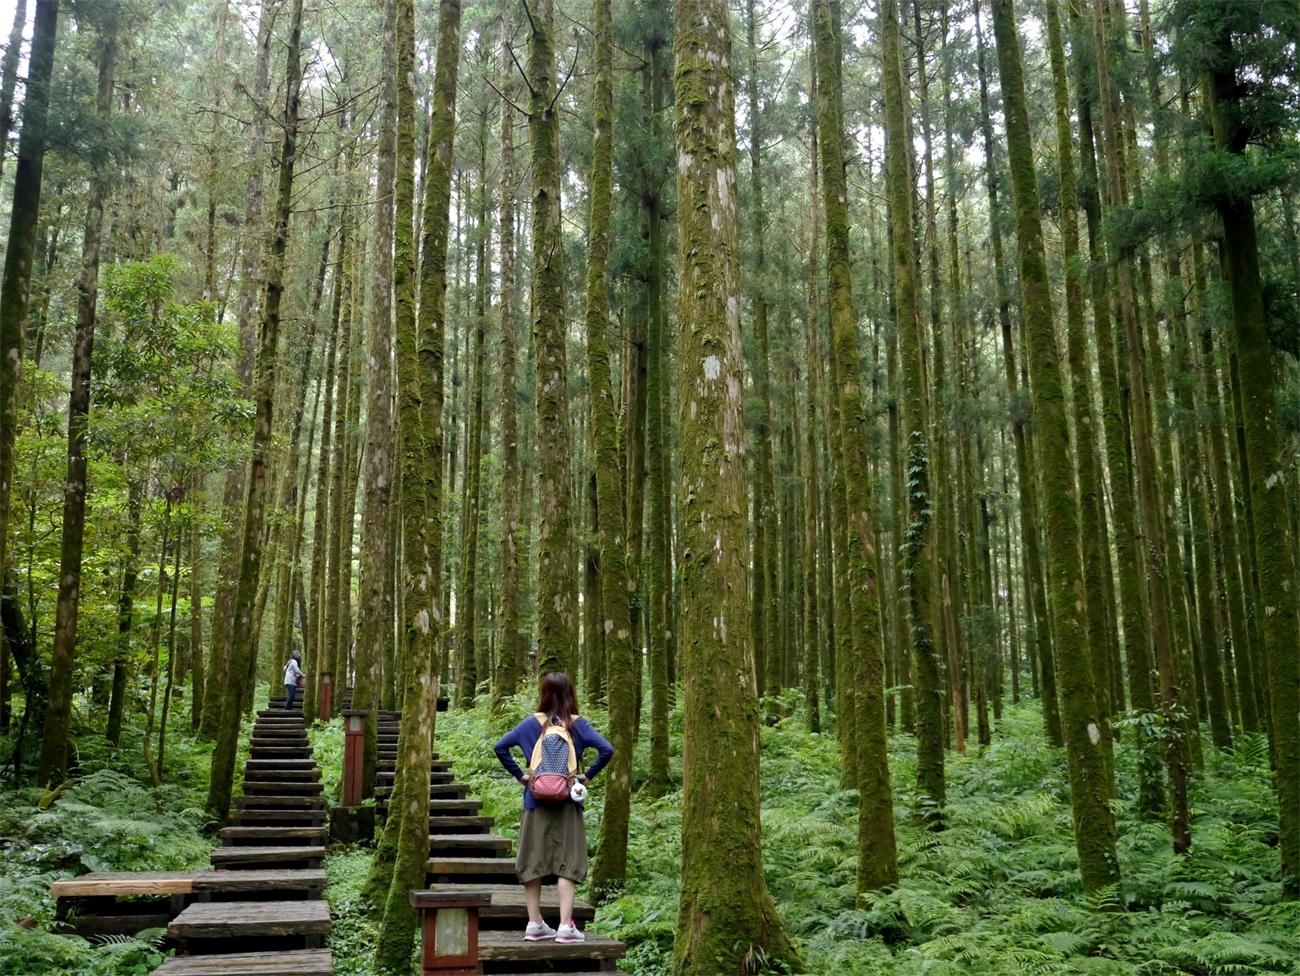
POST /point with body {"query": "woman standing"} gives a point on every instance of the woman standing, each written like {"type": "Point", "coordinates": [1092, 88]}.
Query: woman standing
{"type": "Point", "coordinates": [293, 677]}
{"type": "Point", "coordinates": [552, 836]}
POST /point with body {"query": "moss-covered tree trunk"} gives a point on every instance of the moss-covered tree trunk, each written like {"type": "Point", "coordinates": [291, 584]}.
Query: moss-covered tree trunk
{"type": "Point", "coordinates": [1028, 489]}
{"type": "Point", "coordinates": [241, 649]}
{"type": "Point", "coordinates": [507, 675]}
{"type": "Point", "coordinates": [58, 713]}
{"type": "Point", "coordinates": [374, 625]}
{"type": "Point", "coordinates": [1091, 783]}
{"type": "Point", "coordinates": [557, 616]}
{"type": "Point", "coordinates": [812, 603]}
{"type": "Point", "coordinates": [1091, 503]}
{"type": "Point", "coordinates": [235, 491]}
{"type": "Point", "coordinates": [726, 918]}
{"type": "Point", "coordinates": [9, 74]}
{"type": "Point", "coordinates": [1166, 635]}
{"type": "Point", "coordinates": [918, 543]}
{"type": "Point", "coordinates": [766, 609]}
{"type": "Point", "coordinates": [16, 283]}
{"type": "Point", "coordinates": [420, 393]}
{"type": "Point", "coordinates": [611, 864]}
{"type": "Point", "coordinates": [1275, 556]}
{"type": "Point", "coordinates": [877, 852]}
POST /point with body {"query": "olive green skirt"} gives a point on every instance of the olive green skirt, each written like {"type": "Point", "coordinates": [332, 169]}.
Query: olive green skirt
{"type": "Point", "coordinates": [552, 841]}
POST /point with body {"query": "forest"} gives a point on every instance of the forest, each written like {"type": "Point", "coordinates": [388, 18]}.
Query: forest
{"type": "Point", "coordinates": [886, 411]}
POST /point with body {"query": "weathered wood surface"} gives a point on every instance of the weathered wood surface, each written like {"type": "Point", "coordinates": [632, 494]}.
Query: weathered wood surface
{"type": "Point", "coordinates": [300, 962]}
{"type": "Point", "coordinates": [504, 866]}
{"type": "Point", "coordinates": [267, 855]}
{"type": "Point", "coordinates": [251, 919]}
{"type": "Point", "coordinates": [508, 901]}
{"type": "Point", "coordinates": [445, 823]}
{"type": "Point", "coordinates": [469, 842]}
{"type": "Point", "coordinates": [248, 800]}
{"type": "Point", "coordinates": [106, 884]}
{"type": "Point", "coordinates": [508, 947]}
{"type": "Point", "coordinates": [455, 807]}
{"type": "Point", "coordinates": [275, 787]}
{"type": "Point", "coordinates": [272, 836]}
{"type": "Point", "coordinates": [266, 817]}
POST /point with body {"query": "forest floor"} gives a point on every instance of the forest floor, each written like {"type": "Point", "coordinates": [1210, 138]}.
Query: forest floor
{"type": "Point", "coordinates": [996, 893]}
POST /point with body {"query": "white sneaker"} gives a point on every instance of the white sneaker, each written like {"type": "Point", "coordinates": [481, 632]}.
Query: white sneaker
{"type": "Point", "coordinates": [538, 932]}
{"type": "Point", "coordinates": [569, 932]}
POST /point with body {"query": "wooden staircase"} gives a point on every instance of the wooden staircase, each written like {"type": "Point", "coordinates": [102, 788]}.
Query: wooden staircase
{"type": "Point", "coordinates": [465, 853]}
{"type": "Point", "coordinates": [277, 828]}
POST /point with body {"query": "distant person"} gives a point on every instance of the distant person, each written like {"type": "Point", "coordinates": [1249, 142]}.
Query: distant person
{"type": "Point", "coordinates": [293, 678]}
{"type": "Point", "coordinates": [552, 835]}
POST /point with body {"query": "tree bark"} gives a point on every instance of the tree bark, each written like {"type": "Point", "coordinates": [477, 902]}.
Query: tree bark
{"type": "Point", "coordinates": [1092, 788]}
{"type": "Point", "coordinates": [15, 285]}
{"type": "Point", "coordinates": [223, 760]}
{"type": "Point", "coordinates": [58, 714]}
{"type": "Point", "coordinates": [725, 916]}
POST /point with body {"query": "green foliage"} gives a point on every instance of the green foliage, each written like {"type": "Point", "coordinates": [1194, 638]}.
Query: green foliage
{"type": "Point", "coordinates": [996, 894]}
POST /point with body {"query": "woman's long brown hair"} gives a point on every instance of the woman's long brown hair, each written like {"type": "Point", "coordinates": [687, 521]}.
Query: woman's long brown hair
{"type": "Point", "coordinates": [558, 699]}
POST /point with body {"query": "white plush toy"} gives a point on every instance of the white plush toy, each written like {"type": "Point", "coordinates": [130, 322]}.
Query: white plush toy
{"type": "Point", "coordinates": [577, 792]}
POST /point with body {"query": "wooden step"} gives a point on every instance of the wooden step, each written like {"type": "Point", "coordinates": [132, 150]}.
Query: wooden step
{"type": "Point", "coordinates": [296, 962]}
{"type": "Point", "coordinates": [436, 791]}
{"type": "Point", "coordinates": [272, 786]}
{"type": "Point", "coordinates": [251, 802]}
{"type": "Point", "coordinates": [277, 741]}
{"type": "Point", "coordinates": [277, 710]}
{"type": "Point", "coordinates": [266, 817]}
{"type": "Point", "coordinates": [280, 754]}
{"type": "Point", "coordinates": [251, 920]}
{"type": "Point", "coordinates": [120, 884]}
{"type": "Point", "coordinates": [386, 777]}
{"type": "Point", "coordinates": [499, 950]}
{"type": "Point", "coordinates": [508, 908]}
{"type": "Point", "coordinates": [469, 843]}
{"type": "Point", "coordinates": [272, 836]}
{"type": "Point", "coordinates": [281, 763]}
{"type": "Point", "coordinates": [249, 857]}
{"type": "Point", "coordinates": [500, 869]}
{"type": "Point", "coordinates": [277, 774]}
{"type": "Point", "coordinates": [454, 808]}
{"type": "Point", "coordinates": [458, 824]}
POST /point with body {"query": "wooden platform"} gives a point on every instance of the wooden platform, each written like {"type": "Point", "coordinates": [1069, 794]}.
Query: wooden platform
{"type": "Point", "coordinates": [122, 884]}
{"type": "Point", "coordinates": [251, 919]}
{"type": "Point", "coordinates": [301, 962]}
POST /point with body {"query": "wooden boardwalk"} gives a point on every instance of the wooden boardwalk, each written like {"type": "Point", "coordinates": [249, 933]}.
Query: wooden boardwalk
{"type": "Point", "coordinates": [464, 853]}
{"type": "Point", "coordinates": [277, 833]}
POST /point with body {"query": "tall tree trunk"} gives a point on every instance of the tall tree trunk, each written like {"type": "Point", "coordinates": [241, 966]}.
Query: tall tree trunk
{"type": "Point", "coordinates": [726, 918]}
{"type": "Point", "coordinates": [877, 850]}
{"type": "Point", "coordinates": [918, 544]}
{"type": "Point", "coordinates": [374, 627]}
{"type": "Point", "coordinates": [420, 379]}
{"type": "Point", "coordinates": [812, 632]}
{"type": "Point", "coordinates": [506, 679]}
{"type": "Point", "coordinates": [16, 283]}
{"type": "Point", "coordinates": [1091, 783]}
{"type": "Point", "coordinates": [198, 673]}
{"type": "Point", "coordinates": [125, 611]}
{"type": "Point", "coordinates": [1273, 537]}
{"type": "Point", "coordinates": [223, 759]}
{"type": "Point", "coordinates": [557, 621]}
{"type": "Point", "coordinates": [1028, 489]}
{"type": "Point", "coordinates": [58, 714]}
{"type": "Point", "coordinates": [1165, 634]}
{"type": "Point", "coordinates": [235, 491]}
{"type": "Point", "coordinates": [1092, 512]}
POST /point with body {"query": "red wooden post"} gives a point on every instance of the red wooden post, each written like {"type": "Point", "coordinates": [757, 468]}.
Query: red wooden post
{"type": "Point", "coordinates": [326, 704]}
{"type": "Point", "coordinates": [354, 744]}
{"type": "Point", "coordinates": [449, 926]}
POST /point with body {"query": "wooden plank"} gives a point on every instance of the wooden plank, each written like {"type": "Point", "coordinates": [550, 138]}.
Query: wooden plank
{"type": "Point", "coordinates": [278, 879]}
{"type": "Point", "coordinates": [267, 855]}
{"type": "Point", "coordinates": [504, 947]}
{"type": "Point", "coordinates": [469, 842]}
{"type": "Point", "coordinates": [251, 919]}
{"type": "Point", "coordinates": [508, 901]}
{"type": "Point", "coordinates": [300, 962]}
{"type": "Point", "coordinates": [503, 866]}
{"type": "Point", "coordinates": [272, 834]}
{"type": "Point", "coordinates": [107, 884]}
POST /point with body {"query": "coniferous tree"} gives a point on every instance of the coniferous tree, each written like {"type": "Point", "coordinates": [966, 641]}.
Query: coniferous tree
{"type": "Point", "coordinates": [725, 913]}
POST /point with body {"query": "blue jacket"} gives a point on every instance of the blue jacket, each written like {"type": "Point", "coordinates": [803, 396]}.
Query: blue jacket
{"type": "Point", "coordinates": [525, 736]}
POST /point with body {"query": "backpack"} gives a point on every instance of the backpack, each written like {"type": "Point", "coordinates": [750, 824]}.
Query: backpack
{"type": "Point", "coordinates": [554, 763]}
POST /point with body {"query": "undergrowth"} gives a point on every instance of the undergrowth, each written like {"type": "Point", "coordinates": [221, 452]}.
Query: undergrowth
{"type": "Point", "coordinates": [995, 894]}
{"type": "Point", "coordinates": [108, 818]}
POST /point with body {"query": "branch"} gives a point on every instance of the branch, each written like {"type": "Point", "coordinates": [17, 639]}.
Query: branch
{"type": "Point", "coordinates": [522, 73]}
{"type": "Point", "coordinates": [506, 98]}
